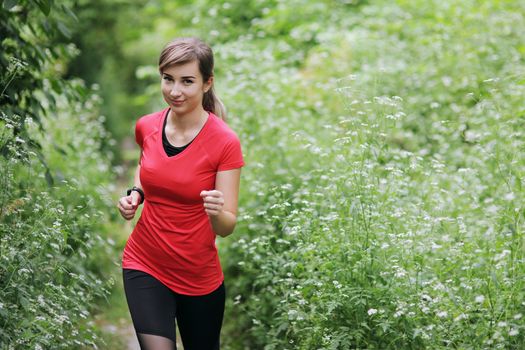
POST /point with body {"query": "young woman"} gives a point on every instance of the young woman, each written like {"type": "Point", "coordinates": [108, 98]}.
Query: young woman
{"type": "Point", "coordinates": [188, 180]}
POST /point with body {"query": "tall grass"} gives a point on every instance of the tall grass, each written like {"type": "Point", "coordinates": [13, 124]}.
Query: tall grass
{"type": "Point", "coordinates": [382, 204]}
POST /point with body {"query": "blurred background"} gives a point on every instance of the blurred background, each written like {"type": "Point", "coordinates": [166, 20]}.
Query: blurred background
{"type": "Point", "coordinates": [382, 201]}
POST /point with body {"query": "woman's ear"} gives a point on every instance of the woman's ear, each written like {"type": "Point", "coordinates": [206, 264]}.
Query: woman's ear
{"type": "Point", "coordinates": [208, 84]}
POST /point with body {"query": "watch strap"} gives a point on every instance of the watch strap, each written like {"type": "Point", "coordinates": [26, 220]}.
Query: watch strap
{"type": "Point", "coordinates": [139, 190]}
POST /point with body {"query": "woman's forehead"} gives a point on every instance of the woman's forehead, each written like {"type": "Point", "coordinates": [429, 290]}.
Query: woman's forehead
{"type": "Point", "coordinates": [183, 69]}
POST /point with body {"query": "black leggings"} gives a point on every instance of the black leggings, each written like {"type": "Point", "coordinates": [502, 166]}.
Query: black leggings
{"type": "Point", "coordinates": [154, 308]}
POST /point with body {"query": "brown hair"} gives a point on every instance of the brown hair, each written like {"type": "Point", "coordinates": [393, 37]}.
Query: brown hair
{"type": "Point", "coordinates": [184, 50]}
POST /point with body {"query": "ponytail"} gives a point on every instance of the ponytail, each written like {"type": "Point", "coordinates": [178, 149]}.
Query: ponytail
{"type": "Point", "coordinates": [211, 103]}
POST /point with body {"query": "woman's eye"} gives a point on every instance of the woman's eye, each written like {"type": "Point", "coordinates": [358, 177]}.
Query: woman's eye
{"type": "Point", "coordinates": [188, 81]}
{"type": "Point", "coordinates": [166, 78]}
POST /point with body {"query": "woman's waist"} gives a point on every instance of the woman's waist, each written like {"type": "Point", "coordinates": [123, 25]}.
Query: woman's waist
{"type": "Point", "coordinates": [167, 204]}
{"type": "Point", "coordinates": [168, 219]}
{"type": "Point", "coordinates": [170, 251]}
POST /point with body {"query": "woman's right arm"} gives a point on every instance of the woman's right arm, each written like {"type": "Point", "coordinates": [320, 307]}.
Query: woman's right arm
{"type": "Point", "coordinates": [128, 205]}
{"type": "Point", "coordinates": [136, 179]}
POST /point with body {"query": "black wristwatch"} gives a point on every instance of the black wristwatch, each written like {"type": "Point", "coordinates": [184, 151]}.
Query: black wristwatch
{"type": "Point", "coordinates": [135, 188]}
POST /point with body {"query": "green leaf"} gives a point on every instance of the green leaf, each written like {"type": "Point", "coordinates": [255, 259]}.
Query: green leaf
{"type": "Point", "coordinates": [69, 12]}
{"type": "Point", "coordinates": [494, 279]}
{"type": "Point", "coordinates": [282, 327]}
{"type": "Point", "coordinates": [46, 25]}
{"type": "Point", "coordinates": [24, 302]}
{"type": "Point", "coordinates": [50, 97]}
{"type": "Point", "coordinates": [82, 91]}
{"type": "Point", "coordinates": [49, 178]}
{"type": "Point", "coordinates": [55, 84]}
{"type": "Point", "coordinates": [64, 30]}
{"type": "Point", "coordinates": [59, 149]}
{"type": "Point", "coordinates": [44, 5]}
{"type": "Point", "coordinates": [3, 312]}
{"type": "Point", "coordinates": [9, 4]}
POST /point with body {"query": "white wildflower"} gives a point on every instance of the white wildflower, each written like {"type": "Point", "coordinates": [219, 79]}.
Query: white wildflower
{"type": "Point", "coordinates": [372, 312]}
{"type": "Point", "coordinates": [292, 314]}
{"type": "Point", "coordinates": [337, 284]}
{"type": "Point", "coordinates": [460, 317]}
{"type": "Point", "coordinates": [442, 314]}
{"type": "Point", "coordinates": [398, 313]}
{"type": "Point", "coordinates": [426, 297]}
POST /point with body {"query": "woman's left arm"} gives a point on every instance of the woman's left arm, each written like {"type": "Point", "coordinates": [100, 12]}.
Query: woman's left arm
{"type": "Point", "coordinates": [221, 204]}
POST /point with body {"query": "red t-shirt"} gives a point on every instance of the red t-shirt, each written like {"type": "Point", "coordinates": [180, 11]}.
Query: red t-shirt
{"type": "Point", "coordinates": [173, 239]}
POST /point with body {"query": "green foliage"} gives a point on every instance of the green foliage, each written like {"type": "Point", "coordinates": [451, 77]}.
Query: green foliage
{"type": "Point", "coordinates": [52, 256]}
{"type": "Point", "coordinates": [102, 34]}
{"type": "Point", "coordinates": [382, 202]}
{"type": "Point", "coordinates": [32, 58]}
{"type": "Point", "coordinates": [54, 179]}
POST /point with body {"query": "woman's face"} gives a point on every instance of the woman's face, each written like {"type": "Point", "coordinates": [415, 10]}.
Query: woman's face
{"type": "Point", "coordinates": [183, 87]}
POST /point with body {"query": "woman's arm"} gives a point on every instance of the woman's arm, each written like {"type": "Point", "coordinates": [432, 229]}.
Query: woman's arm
{"type": "Point", "coordinates": [221, 204]}
{"type": "Point", "coordinates": [128, 205]}
{"type": "Point", "coordinates": [136, 179]}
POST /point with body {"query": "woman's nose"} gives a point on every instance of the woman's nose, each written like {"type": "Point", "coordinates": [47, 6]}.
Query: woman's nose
{"type": "Point", "coordinates": [175, 90]}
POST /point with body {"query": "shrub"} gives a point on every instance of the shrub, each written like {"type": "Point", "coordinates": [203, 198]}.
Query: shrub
{"type": "Point", "coordinates": [390, 216]}
{"type": "Point", "coordinates": [54, 178]}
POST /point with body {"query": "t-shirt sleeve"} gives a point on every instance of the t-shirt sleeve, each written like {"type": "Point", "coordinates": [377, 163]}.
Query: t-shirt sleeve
{"type": "Point", "coordinates": [231, 157]}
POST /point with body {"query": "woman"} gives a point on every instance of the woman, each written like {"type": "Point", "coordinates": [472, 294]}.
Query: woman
{"type": "Point", "coordinates": [188, 179]}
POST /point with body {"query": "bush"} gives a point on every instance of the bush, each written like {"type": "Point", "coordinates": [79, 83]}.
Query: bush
{"type": "Point", "coordinates": [390, 216]}
{"type": "Point", "coordinates": [54, 178]}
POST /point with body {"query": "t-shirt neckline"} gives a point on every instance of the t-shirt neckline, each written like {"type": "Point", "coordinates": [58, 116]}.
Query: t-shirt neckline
{"type": "Point", "coordinates": [190, 146]}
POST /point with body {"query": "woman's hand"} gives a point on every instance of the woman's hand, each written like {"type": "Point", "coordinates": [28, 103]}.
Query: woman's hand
{"type": "Point", "coordinates": [221, 203]}
{"type": "Point", "coordinates": [128, 205]}
{"type": "Point", "coordinates": [213, 202]}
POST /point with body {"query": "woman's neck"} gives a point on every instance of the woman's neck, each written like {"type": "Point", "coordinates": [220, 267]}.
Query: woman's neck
{"type": "Point", "coordinates": [187, 122]}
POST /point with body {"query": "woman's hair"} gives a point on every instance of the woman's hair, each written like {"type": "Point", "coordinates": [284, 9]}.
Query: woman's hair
{"type": "Point", "coordinates": [184, 50]}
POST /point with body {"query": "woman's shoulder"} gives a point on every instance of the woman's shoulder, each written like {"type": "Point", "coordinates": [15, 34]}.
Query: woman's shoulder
{"type": "Point", "coordinates": [151, 117]}
{"type": "Point", "coordinates": [147, 125]}
{"type": "Point", "coordinates": [222, 129]}
{"type": "Point", "coordinates": [149, 122]}
{"type": "Point", "coordinates": [223, 145]}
